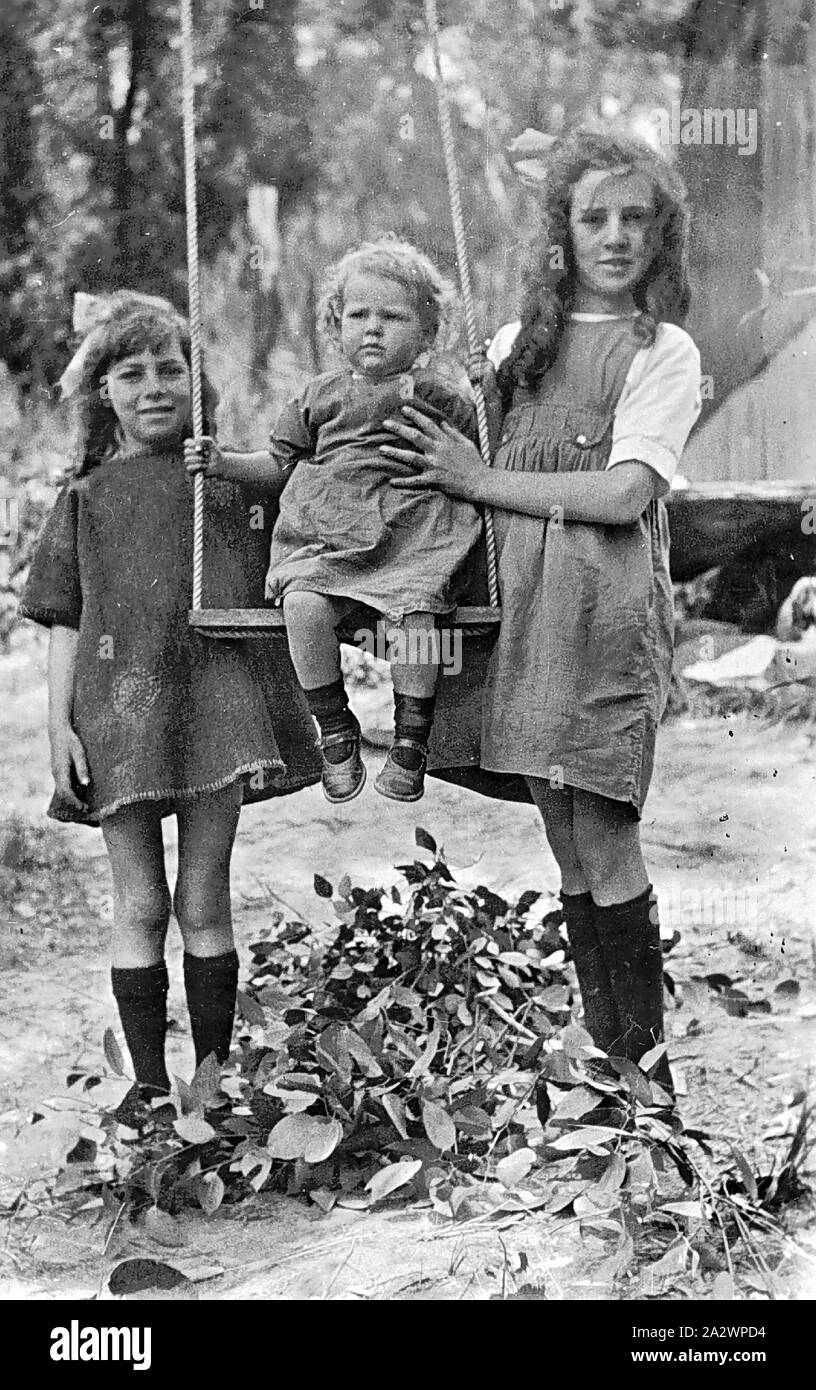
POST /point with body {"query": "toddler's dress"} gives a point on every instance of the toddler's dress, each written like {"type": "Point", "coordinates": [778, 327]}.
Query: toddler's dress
{"type": "Point", "coordinates": [162, 712]}
{"type": "Point", "coordinates": [342, 529]}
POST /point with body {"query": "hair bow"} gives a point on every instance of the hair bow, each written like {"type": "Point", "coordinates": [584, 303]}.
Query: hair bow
{"type": "Point", "coordinates": [528, 154]}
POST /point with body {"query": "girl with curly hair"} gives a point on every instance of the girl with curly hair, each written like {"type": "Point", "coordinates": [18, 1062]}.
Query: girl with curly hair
{"type": "Point", "coordinates": [600, 388]}
{"type": "Point", "coordinates": [343, 536]}
{"type": "Point", "coordinates": [146, 718]}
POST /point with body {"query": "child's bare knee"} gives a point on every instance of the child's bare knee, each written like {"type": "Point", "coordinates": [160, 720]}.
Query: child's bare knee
{"type": "Point", "coordinates": [145, 910]}
{"type": "Point", "coordinates": [200, 912]}
{"type": "Point", "coordinates": [302, 605]}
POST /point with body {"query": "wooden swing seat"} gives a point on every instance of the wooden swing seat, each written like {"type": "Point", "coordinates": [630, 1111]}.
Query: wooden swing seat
{"type": "Point", "coordinates": [266, 622]}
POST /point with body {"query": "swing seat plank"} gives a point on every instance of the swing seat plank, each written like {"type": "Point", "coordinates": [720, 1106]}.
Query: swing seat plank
{"type": "Point", "coordinates": [255, 622]}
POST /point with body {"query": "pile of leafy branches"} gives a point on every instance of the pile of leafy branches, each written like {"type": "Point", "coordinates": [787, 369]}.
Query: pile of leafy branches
{"type": "Point", "coordinates": [424, 1046]}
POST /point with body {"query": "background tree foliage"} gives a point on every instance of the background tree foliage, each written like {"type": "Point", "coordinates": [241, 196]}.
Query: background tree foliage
{"type": "Point", "coordinates": [331, 103]}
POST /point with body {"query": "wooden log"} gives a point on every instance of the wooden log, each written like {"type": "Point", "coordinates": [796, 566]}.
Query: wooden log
{"type": "Point", "coordinates": [712, 522]}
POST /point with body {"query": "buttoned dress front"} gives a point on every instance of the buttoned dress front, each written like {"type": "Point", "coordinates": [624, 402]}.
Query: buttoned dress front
{"type": "Point", "coordinates": [580, 672]}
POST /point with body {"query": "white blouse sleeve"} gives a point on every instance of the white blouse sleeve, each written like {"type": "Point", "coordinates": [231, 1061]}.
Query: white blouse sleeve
{"type": "Point", "coordinates": [503, 342]}
{"type": "Point", "coordinates": [659, 403]}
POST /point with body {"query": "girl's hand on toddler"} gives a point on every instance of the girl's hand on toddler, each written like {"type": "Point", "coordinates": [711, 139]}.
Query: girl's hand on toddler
{"type": "Point", "coordinates": [443, 458]}
{"type": "Point", "coordinates": [69, 766]}
{"type": "Point", "coordinates": [203, 456]}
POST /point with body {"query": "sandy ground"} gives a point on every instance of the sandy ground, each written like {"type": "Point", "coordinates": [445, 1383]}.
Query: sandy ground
{"type": "Point", "coordinates": [730, 835]}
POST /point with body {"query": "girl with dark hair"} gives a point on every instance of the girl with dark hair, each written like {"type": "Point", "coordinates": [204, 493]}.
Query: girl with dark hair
{"type": "Point", "coordinates": [147, 718]}
{"type": "Point", "coordinates": [599, 387]}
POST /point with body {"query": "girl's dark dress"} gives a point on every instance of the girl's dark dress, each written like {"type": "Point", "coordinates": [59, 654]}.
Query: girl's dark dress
{"type": "Point", "coordinates": [162, 712]}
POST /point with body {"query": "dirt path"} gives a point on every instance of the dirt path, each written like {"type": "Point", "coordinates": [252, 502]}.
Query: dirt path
{"type": "Point", "coordinates": [730, 836]}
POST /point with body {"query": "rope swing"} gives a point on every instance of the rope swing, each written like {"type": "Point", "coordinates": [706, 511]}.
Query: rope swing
{"type": "Point", "coordinates": [248, 622]}
{"type": "Point", "coordinates": [460, 243]}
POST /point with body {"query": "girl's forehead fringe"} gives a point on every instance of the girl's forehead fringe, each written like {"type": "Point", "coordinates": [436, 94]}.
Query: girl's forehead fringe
{"type": "Point", "coordinates": [139, 332]}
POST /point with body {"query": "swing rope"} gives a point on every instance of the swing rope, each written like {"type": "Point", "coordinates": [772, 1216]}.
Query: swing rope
{"type": "Point", "coordinates": [225, 627]}
{"type": "Point", "coordinates": [460, 244]}
{"type": "Point", "coordinates": [193, 282]}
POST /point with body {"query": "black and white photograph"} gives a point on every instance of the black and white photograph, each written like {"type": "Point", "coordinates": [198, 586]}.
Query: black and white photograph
{"type": "Point", "coordinates": [408, 665]}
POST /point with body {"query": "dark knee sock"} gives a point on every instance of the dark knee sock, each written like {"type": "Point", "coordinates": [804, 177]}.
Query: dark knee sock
{"type": "Point", "coordinates": [413, 719]}
{"type": "Point", "coordinates": [211, 983]}
{"type": "Point", "coordinates": [141, 997]}
{"type": "Point", "coordinates": [600, 1010]}
{"type": "Point", "coordinates": [630, 938]}
{"type": "Point", "coordinates": [329, 706]}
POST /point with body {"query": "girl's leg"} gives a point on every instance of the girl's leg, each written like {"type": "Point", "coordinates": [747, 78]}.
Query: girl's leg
{"type": "Point", "coordinates": [311, 620]}
{"type": "Point", "coordinates": [310, 623]}
{"type": "Point", "coordinates": [206, 834]}
{"type": "Point", "coordinates": [600, 1013]}
{"type": "Point", "coordinates": [141, 911]}
{"type": "Point", "coordinates": [414, 646]}
{"type": "Point", "coordinates": [607, 839]}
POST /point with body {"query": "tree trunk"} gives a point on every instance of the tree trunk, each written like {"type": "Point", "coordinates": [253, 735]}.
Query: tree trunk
{"type": "Point", "coordinates": [754, 219]}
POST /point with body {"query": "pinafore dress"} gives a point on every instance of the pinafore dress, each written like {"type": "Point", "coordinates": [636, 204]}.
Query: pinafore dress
{"type": "Point", "coordinates": [579, 675]}
{"type": "Point", "coordinates": [342, 529]}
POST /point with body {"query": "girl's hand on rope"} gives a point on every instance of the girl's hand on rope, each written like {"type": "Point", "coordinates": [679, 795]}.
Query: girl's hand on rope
{"type": "Point", "coordinates": [481, 372]}
{"type": "Point", "coordinates": [442, 458]}
{"type": "Point", "coordinates": [69, 766]}
{"type": "Point", "coordinates": [203, 456]}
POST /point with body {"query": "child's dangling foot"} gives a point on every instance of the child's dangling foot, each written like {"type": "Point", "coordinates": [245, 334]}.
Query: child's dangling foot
{"type": "Point", "coordinates": [344, 772]}
{"type": "Point", "coordinates": [402, 777]}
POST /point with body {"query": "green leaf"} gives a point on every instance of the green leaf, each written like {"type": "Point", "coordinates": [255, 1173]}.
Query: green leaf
{"type": "Point", "coordinates": [395, 1110]}
{"type": "Point", "coordinates": [577, 1042]}
{"type": "Point", "coordinates": [690, 1211]}
{"type": "Point", "coordinates": [193, 1129]}
{"type": "Point", "coordinates": [113, 1052]}
{"type": "Point", "coordinates": [322, 887]}
{"type": "Point", "coordinates": [310, 1137]}
{"type": "Point", "coordinates": [388, 1179]}
{"type": "Point", "coordinates": [206, 1082]}
{"type": "Point", "coordinates": [514, 1168]}
{"type": "Point", "coordinates": [188, 1103]}
{"type": "Point", "coordinates": [614, 1174]}
{"type": "Point", "coordinates": [161, 1227]}
{"type": "Point", "coordinates": [331, 1051]}
{"type": "Point", "coordinates": [637, 1083]}
{"type": "Point", "coordinates": [249, 1009]}
{"type": "Point", "coordinates": [579, 1101]}
{"type": "Point", "coordinates": [324, 1136]}
{"type": "Point", "coordinates": [439, 1126]}
{"type": "Point", "coordinates": [424, 840]}
{"type": "Point", "coordinates": [426, 1057]}
{"type": "Point", "coordinates": [473, 1121]}
{"type": "Point", "coordinates": [747, 1174]}
{"type": "Point", "coordinates": [134, 1276]}
{"type": "Point", "coordinates": [649, 1058]}
{"type": "Point", "coordinates": [587, 1138]}
{"type": "Point", "coordinates": [210, 1192]}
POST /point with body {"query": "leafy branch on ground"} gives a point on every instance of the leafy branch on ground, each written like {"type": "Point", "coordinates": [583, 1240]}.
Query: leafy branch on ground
{"type": "Point", "coordinates": [424, 1048]}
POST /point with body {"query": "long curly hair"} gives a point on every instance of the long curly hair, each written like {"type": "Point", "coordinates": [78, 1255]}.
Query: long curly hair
{"type": "Point", "coordinates": [549, 282]}
{"type": "Point", "coordinates": [431, 294]}
{"type": "Point", "coordinates": [131, 327]}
